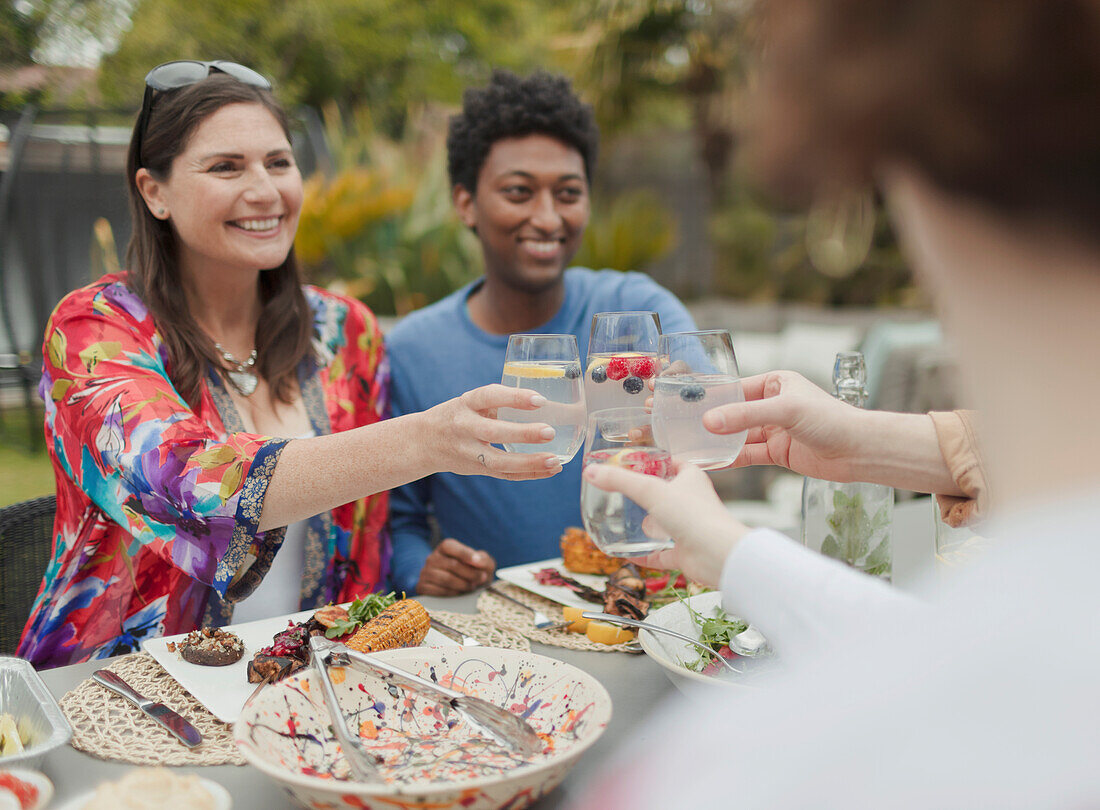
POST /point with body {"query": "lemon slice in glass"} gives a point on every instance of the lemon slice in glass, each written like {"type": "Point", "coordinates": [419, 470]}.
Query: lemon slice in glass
{"type": "Point", "coordinates": [532, 371]}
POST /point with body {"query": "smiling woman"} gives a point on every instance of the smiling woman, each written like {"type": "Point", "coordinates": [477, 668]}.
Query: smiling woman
{"type": "Point", "coordinates": [211, 421]}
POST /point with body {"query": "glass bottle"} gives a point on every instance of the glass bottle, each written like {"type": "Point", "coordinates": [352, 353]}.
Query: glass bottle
{"type": "Point", "coordinates": [850, 522]}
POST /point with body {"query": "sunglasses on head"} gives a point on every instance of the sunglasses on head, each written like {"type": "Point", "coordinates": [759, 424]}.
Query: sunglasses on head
{"type": "Point", "coordinates": [174, 75]}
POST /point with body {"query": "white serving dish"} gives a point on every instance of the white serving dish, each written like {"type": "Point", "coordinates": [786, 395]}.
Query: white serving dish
{"type": "Point", "coordinates": [24, 696]}
{"type": "Point", "coordinates": [669, 652]}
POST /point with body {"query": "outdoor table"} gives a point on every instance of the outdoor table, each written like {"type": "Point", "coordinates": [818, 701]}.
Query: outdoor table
{"type": "Point", "coordinates": [636, 685]}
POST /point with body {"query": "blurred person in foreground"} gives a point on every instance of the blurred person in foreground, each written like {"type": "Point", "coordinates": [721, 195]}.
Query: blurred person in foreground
{"type": "Point", "coordinates": [214, 425]}
{"type": "Point", "coordinates": [980, 121]}
{"type": "Point", "coordinates": [520, 155]}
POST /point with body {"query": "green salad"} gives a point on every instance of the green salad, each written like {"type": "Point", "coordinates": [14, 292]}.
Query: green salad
{"type": "Point", "coordinates": [716, 632]}
{"type": "Point", "coordinates": [360, 612]}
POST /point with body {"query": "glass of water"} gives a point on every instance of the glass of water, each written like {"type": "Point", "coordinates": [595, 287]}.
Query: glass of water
{"type": "Point", "coordinates": [613, 521]}
{"type": "Point", "coordinates": [957, 547]}
{"type": "Point", "coordinates": [549, 365]}
{"type": "Point", "coordinates": [622, 357]}
{"type": "Point", "coordinates": [698, 372]}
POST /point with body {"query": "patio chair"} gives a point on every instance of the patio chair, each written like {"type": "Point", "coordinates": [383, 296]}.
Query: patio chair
{"type": "Point", "coordinates": [26, 542]}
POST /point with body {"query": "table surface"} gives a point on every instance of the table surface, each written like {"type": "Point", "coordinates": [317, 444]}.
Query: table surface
{"type": "Point", "coordinates": [636, 685]}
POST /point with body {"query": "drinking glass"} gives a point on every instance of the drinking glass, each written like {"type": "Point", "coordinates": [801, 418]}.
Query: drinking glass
{"type": "Point", "coordinates": [549, 365]}
{"type": "Point", "coordinates": [850, 378]}
{"type": "Point", "coordinates": [957, 547]}
{"type": "Point", "coordinates": [622, 356]}
{"type": "Point", "coordinates": [698, 372]}
{"type": "Point", "coordinates": [612, 520]}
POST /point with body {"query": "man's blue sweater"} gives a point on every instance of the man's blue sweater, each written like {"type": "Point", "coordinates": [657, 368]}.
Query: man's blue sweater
{"type": "Point", "coordinates": [438, 353]}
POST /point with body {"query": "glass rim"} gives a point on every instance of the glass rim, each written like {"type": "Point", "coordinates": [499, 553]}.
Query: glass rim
{"type": "Point", "coordinates": [698, 332]}
{"type": "Point", "coordinates": [540, 335]}
{"type": "Point", "coordinates": [627, 312]}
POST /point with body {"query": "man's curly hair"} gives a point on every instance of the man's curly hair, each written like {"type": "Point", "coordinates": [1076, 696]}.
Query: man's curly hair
{"type": "Point", "coordinates": [511, 107]}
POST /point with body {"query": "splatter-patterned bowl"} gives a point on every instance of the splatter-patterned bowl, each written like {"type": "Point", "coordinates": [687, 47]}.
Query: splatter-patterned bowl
{"type": "Point", "coordinates": [430, 755]}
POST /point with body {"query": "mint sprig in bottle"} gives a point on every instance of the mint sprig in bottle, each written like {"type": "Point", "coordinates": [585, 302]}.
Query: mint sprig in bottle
{"type": "Point", "coordinates": [850, 522]}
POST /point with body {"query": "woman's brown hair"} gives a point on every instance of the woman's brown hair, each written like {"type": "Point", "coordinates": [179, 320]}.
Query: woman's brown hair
{"type": "Point", "coordinates": [284, 330]}
{"type": "Point", "coordinates": [993, 100]}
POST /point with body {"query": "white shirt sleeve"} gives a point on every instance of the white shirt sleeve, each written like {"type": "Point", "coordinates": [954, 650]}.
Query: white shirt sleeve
{"type": "Point", "coordinates": [800, 600]}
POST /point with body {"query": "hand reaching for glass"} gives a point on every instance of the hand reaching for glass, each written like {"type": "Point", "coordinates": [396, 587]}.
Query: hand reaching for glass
{"type": "Point", "coordinates": [794, 424]}
{"type": "Point", "coordinates": [685, 507]}
{"type": "Point", "coordinates": [464, 429]}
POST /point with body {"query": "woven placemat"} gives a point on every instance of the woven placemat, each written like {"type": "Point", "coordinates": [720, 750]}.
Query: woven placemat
{"type": "Point", "coordinates": [489, 634]}
{"type": "Point", "coordinates": [109, 727]}
{"type": "Point", "coordinates": [504, 614]}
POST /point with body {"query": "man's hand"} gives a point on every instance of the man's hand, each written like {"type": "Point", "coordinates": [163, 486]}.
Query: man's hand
{"type": "Point", "coordinates": [454, 568]}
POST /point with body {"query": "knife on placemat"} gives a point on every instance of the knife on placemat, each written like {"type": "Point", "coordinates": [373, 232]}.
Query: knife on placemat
{"type": "Point", "coordinates": [180, 728]}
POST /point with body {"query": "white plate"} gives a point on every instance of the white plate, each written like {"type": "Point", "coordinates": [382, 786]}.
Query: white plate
{"type": "Point", "coordinates": [222, 799]}
{"type": "Point", "coordinates": [39, 780]}
{"type": "Point", "coordinates": [223, 690]}
{"type": "Point", "coordinates": [524, 577]}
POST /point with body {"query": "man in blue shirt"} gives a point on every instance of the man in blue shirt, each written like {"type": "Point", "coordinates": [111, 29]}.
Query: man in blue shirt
{"type": "Point", "coordinates": [520, 158]}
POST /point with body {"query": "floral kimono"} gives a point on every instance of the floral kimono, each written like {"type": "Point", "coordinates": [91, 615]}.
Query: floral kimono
{"type": "Point", "coordinates": [158, 503]}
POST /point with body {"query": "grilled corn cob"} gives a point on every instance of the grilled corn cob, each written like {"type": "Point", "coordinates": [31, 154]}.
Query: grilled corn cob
{"type": "Point", "coordinates": [402, 624]}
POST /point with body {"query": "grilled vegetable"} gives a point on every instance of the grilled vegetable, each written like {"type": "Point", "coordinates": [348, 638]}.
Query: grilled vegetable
{"type": "Point", "coordinates": [358, 613]}
{"type": "Point", "coordinates": [604, 633]}
{"type": "Point", "coordinates": [573, 614]}
{"type": "Point", "coordinates": [403, 624]}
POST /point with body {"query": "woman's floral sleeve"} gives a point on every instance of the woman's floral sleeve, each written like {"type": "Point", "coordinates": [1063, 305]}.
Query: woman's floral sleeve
{"type": "Point", "coordinates": [126, 437]}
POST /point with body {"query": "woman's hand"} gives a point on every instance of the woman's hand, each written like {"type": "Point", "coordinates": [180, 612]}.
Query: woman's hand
{"type": "Point", "coordinates": [462, 431]}
{"type": "Point", "coordinates": [687, 508]}
{"type": "Point", "coordinates": [794, 424]}
{"type": "Point", "coordinates": [454, 568]}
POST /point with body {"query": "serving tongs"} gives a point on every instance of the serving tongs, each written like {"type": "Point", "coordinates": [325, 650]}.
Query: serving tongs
{"type": "Point", "coordinates": [493, 721]}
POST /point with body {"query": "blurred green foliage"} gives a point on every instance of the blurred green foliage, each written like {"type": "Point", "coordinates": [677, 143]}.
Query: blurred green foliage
{"type": "Point", "coordinates": [20, 25]}
{"type": "Point", "coordinates": [631, 232]}
{"type": "Point", "coordinates": [25, 470]}
{"type": "Point", "coordinates": [384, 55]}
{"type": "Point", "coordinates": [639, 60]}
{"type": "Point", "coordinates": [380, 226]}
{"type": "Point", "coordinates": [380, 221]}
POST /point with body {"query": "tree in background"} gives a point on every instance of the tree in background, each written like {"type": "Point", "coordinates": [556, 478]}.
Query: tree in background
{"type": "Point", "coordinates": [41, 39]}
{"type": "Point", "coordinates": [633, 55]}
{"type": "Point", "coordinates": [690, 62]}
{"type": "Point", "coordinates": [382, 54]}
{"type": "Point", "coordinates": [19, 27]}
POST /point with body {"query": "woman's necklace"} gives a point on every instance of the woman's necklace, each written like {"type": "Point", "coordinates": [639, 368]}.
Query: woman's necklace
{"type": "Point", "coordinates": [244, 379]}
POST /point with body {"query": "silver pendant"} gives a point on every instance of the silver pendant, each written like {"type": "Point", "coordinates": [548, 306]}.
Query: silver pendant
{"type": "Point", "coordinates": [243, 381]}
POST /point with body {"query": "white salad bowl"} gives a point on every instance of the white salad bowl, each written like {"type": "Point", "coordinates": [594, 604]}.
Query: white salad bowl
{"type": "Point", "coordinates": [431, 757]}
{"type": "Point", "coordinates": [672, 654]}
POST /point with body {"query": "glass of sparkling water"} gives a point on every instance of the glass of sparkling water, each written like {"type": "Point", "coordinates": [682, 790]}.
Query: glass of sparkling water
{"type": "Point", "coordinates": [549, 365]}
{"type": "Point", "coordinates": [698, 372]}
{"type": "Point", "coordinates": [622, 357]}
{"type": "Point", "coordinates": [613, 521]}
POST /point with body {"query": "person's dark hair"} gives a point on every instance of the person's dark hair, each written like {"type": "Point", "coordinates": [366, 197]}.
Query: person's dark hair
{"type": "Point", "coordinates": [993, 100]}
{"type": "Point", "coordinates": [512, 107]}
{"type": "Point", "coordinates": [284, 331]}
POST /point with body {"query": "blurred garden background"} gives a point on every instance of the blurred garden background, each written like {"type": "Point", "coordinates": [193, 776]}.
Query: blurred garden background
{"type": "Point", "coordinates": [372, 83]}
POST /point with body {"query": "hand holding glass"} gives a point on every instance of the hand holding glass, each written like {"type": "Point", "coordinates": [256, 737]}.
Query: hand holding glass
{"type": "Point", "coordinates": [698, 373]}
{"type": "Point", "coordinates": [548, 365]}
{"type": "Point", "coordinates": [612, 520]}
